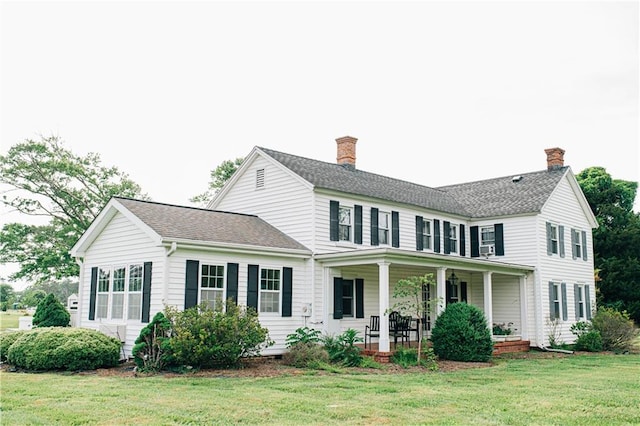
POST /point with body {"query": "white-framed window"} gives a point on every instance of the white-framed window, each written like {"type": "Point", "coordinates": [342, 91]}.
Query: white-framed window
{"type": "Point", "coordinates": [426, 235]}
{"type": "Point", "coordinates": [581, 310]}
{"type": "Point", "coordinates": [212, 285]}
{"type": "Point", "coordinates": [134, 310]}
{"type": "Point", "coordinates": [270, 286]}
{"type": "Point", "coordinates": [384, 224]}
{"type": "Point", "coordinates": [119, 291]}
{"type": "Point", "coordinates": [102, 300]}
{"type": "Point", "coordinates": [348, 298]}
{"type": "Point", "coordinates": [345, 215]}
{"type": "Point", "coordinates": [487, 235]}
{"type": "Point", "coordinates": [554, 238]}
{"type": "Point", "coordinates": [558, 301]}
{"type": "Point", "coordinates": [453, 238]}
{"type": "Point", "coordinates": [578, 244]}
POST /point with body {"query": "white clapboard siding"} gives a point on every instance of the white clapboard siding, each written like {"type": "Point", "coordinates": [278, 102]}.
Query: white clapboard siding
{"type": "Point", "coordinates": [283, 202]}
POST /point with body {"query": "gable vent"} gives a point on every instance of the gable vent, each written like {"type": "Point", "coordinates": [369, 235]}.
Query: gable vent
{"type": "Point", "coordinates": [260, 178]}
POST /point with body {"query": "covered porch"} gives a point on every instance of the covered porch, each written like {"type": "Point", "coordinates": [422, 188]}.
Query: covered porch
{"type": "Point", "coordinates": [360, 284]}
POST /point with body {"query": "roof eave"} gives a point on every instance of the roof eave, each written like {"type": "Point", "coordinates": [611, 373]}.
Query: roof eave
{"type": "Point", "coordinates": [237, 248]}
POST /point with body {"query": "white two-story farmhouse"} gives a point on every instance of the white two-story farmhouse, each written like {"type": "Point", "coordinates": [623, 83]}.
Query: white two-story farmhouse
{"type": "Point", "coordinates": [310, 243]}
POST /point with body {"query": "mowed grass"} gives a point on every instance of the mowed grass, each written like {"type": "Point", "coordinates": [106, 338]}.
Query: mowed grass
{"type": "Point", "coordinates": [579, 389]}
{"type": "Point", "coordinates": [10, 319]}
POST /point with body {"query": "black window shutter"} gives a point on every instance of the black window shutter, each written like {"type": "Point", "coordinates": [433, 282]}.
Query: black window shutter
{"type": "Point", "coordinates": [359, 298]}
{"type": "Point", "coordinates": [374, 227]}
{"type": "Point", "coordinates": [92, 293]}
{"type": "Point", "coordinates": [357, 226]}
{"type": "Point", "coordinates": [191, 284]}
{"type": "Point", "coordinates": [447, 237]}
{"type": "Point", "coordinates": [475, 241]}
{"type": "Point", "coordinates": [463, 241]}
{"type": "Point", "coordinates": [576, 294]}
{"type": "Point", "coordinates": [252, 286]}
{"type": "Point", "coordinates": [549, 246]}
{"type": "Point", "coordinates": [436, 235]}
{"type": "Point", "coordinates": [564, 301]}
{"type": "Point", "coordinates": [395, 229]}
{"type": "Point", "coordinates": [287, 291]}
{"type": "Point", "coordinates": [232, 282]}
{"type": "Point", "coordinates": [574, 255]}
{"type": "Point", "coordinates": [448, 292]}
{"type": "Point", "coordinates": [498, 230]}
{"type": "Point", "coordinates": [337, 298]}
{"type": "Point", "coordinates": [419, 233]}
{"type": "Point", "coordinates": [561, 240]}
{"type": "Point", "coordinates": [552, 310]}
{"type": "Point", "coordinates": [463, 291]}
{"type": "Point", "coordinates": [334, 207]}
{"type": "Point", "coordinates": [587, 302]}
{"type": "Point", "coordinates": [146, 291]}
{"type": "Point", "coordinates": [584, 245]}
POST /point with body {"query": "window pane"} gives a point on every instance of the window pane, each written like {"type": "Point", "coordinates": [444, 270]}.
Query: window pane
{"type": "Point", "coordinates": [103, 280]}
{"type": "Point", "coordinates": [135, 306]}
{"type": "Point", "coordinates": [383, 236]}
{"type": "Point", "coordinates": [135, 278]}
{"type": "Point", "coordinates": [102, 305]}
{"type": "Point", "coordinates": [117, 306]}
{"type": "Point", "coordinates": [212, 276]}
{"type": "Point", "coordinates": [269, 301]}
{"type": "Point", "coordinates": [211, 297]}
{"type": "Point", "coordinates": [118, 279]}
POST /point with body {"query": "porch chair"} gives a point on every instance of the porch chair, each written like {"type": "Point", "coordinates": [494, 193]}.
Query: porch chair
{"type": "Point", "coordinates": [399, 327]}
{"type": "Point", "coordinates": [372, 330]}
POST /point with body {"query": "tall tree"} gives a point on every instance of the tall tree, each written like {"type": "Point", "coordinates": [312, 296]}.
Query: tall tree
{"type": "Point", "coordinates": [218, 177]}
{"type": "Point", "coordinates": [616, 240]}
{"type": "Point", "coordinates": [48, 180]}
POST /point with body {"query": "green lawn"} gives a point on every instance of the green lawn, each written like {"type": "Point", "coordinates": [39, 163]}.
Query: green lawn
{"type": "Point", "coordinates": [579, 389]}
{"type": "Point", "coordinates": [10, 319]}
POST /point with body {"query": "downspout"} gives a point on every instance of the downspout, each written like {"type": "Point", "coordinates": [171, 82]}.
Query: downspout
{"type": "Point", "coordinates": [165, 291]}
{"type": "Point", "coordinates": [80, 262]}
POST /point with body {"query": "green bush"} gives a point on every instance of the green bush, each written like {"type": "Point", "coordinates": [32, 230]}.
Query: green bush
{"type": "Point", "coordinates": [204, 338]}
{"type": "Point", "coordinates": [152, 349]}
{"type": "Point", "coordinates": [6, 340]}
{"type": "Point", "coordinates": [51, 313]}
{"type": "Point", "coordinates": [587, 339]}
{"type": "Point", "coordinates": [408, 357]}
{"type": "Point", "coordinates": [303, 335]}
{"type": "Point", "coordinates": [304, 354]}
{"type": "Point", "coordinates": [60, 348]}
{"type": "Point", "coordinates": [617, 330]}
{"type": "Point", "coordinates": [460, 333]}
{"type": "Point", "coordinates": [342, 349]}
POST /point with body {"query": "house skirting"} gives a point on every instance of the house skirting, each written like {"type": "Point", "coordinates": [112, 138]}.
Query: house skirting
{"type": "Point", "coordinates": [511, 347]}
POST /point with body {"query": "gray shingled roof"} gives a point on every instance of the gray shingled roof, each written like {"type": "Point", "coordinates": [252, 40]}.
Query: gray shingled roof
{"type": "Point", "coordinates": [211, 226]}
{"type": "Point", "coordinates": [493, 197]}
{"type": "Point", "coordinates": [353, 181]}
{"type": "Point", "coordinates": [505, 196]}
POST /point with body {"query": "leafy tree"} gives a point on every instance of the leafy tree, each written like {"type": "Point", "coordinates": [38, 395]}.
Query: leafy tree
{"type": "Point", "coordinates": [152, 351]}
{"type": "Point", "coordinates": [51, 313]}
{"type": "Point", "coordinates": [32, 297]}
{"type": "Point", "coordinates": [219, 176]}
{"type": "Point", "coordinates": [6, 293]}
{"type": "Point", "coordinates": [62, 289]}
{"type": "Point", "coordinates": [616, 240]}
{"type": "Point", "coordinates": [45, 179]}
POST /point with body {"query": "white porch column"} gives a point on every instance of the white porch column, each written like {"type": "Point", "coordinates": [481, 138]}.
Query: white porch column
{"type": "Point", "coordinates": [441, 291]}
{"type": "Point", "coordinates": [524, 312]}
{"type": "Point", "coordinates": [488, 296]}
{"type": "Point", "coordinates": [383, 289]}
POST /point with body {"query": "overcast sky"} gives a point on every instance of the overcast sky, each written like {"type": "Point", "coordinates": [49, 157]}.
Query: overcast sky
{"type": "Point", "coordinates": [436, 92]}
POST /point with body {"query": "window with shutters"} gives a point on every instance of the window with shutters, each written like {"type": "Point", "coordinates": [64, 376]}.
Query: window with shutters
{"type": "Point", "coordinates": [426, 235]}
{"type": "Point", "coordinates": [581, 312]}
{"type": "Point", "coordinates": [384, 223]}
{"type": "Point", "coordinates": [270, 286]}
{"type": "Point", "coordinates": [578, 244]}
{"type": "Point", "coordinates": [212, 285]}
{"type": "Point", "coordinates": [453, 238]}
{"type": "Point", "coordinates": [556, 302]}
{"type": "Point", "coordinates": [119, 292]}
{"type": "Point", "coordinates": [344, 223]}
{"type": "Point", "coordinates": [347, 298]}
{"type": "Point", "coordinates": [553, 236]}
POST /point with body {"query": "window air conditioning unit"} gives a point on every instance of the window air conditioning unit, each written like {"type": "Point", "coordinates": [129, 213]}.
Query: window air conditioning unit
{"type": "Point", "coordinates": [119, 331]}
{"type": "Point", "coordinates": [487, 250]}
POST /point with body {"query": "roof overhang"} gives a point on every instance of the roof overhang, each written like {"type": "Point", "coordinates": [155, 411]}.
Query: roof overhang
{"type": "Point", "coordinates": [414, 258]}
{"type": "Point", "coordinates": [236, 248]}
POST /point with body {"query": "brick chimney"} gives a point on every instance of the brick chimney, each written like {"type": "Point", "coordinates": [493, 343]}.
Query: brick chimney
{"type": "Point", "coordinates": [555, 158]}
{"type": "Point", "coordinates": [347, 151]}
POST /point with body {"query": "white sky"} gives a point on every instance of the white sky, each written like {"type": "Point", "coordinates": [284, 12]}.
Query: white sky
{"type": "Point", "coordinates": [437, 93]}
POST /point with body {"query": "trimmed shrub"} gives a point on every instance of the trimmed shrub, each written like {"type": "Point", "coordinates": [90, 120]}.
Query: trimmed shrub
{"type": "Point", "coordinates": [51, 313]}
{"type": "Point", "coordinates": [588, 339]}
{"type": "Point", "coordinates": [342, 349]}
{"type": "Point", "coordinates": [616, 329]}
{"type": "Point", "coordinates": [6, 340]}
{"type": "Point", "coordinates": [152, 349]}
{"type": "Point", "coordinates": [59, 348]}
{"type": "Point", "coordinates": [205, 338]}
{"type": "Point", "coordinates": [460, 333]}
{"type": "Point", "coordinates": [305, 354]}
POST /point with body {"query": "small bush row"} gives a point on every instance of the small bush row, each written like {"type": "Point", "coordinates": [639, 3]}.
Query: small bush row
{"type": "Point", "coordinates": [609, 330]}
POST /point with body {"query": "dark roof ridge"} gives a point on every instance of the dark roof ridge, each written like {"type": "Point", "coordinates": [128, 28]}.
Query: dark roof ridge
{"type": "Point", "coordinates": [181, 206]}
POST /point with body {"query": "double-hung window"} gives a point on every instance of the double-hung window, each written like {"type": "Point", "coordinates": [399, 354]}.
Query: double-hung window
{"type": "Point", "coordinates": [578, 244]}
{"type": "Point", "coordinates": [453, 238]}
{"type": "Point", "coordinates": [119, 292]}
{"type": "Point", "coordinates": [212, 285]}
{"type": "Point", "coordinates": [347, 298]}
{"type": "Point", "coordinates": [135, 292]}
{"type": "Point", "coordinates": [580, 304]}
{"type": "Point", "coordinates": [554, 238]}
{"type": "Point", "coordinates": [344, 224]}
{"type": "Point", "coordinates": [426, 235]}
{"type": "Point", "coordinates": [487, 236]}
{"type": "Point", "coordinates": [117, 298]}
{"type": "Point", "coordinates": [384, 223]}
{"type": "Point", "coordinates": [104, 282]}
{"type": "Point", "coordinates": [270, 285]}
{"type": "Point", "coordinates": [556, 304]}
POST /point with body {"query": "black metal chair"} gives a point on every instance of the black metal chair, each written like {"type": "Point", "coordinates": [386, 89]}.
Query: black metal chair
{"type": "Point", "coordinates": [399, 327]}
{"type": "Point", "coordinates": [372, 330]}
